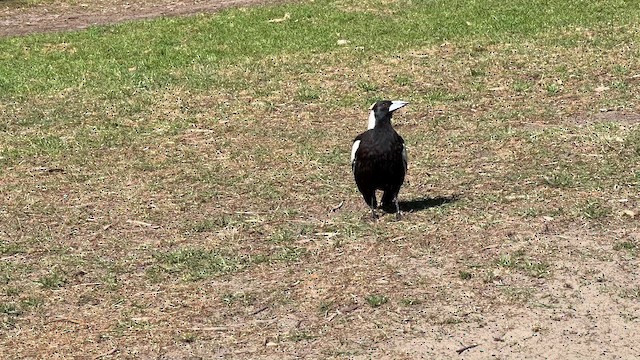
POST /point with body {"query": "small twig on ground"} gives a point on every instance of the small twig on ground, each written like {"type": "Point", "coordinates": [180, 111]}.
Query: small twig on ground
{"type": "Point", "coordinates": [105, 354]}
{"type": "Point", "coordinates": [349, 308]}
{"type": "Point", "coordinates": [332, 316]}
{"type": "Point", "coordinates": [337, 207]}
{"type": "Point", "coordinates": [232, 326]}
{"type": "Point", "coordinates": [500, 337]}
{"type": "Point", "coordinates": [258, 311]}
{"type": "Point", "coordinates": [142, 223]}
{"type": "Point", "coordinates": [397, 238]}
{"type": "Point", "coordinates": [49, 170]}
{"type": "Point", "coordinates": [461, 350]}
{"type": "Point", "coordinates": [211, 328]}
{"type": "Point", "coordinates": [65, 320]}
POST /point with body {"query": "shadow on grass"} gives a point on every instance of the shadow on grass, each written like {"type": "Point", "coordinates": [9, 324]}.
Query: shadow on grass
{"type": "Point", "coordinates": [426, 203]}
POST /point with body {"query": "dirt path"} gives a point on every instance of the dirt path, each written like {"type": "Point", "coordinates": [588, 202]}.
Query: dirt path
{"type": "Point", "coordinates": [16, 19]}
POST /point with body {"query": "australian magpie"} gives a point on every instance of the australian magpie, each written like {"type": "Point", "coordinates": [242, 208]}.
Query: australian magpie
{"type": "Point", "coordinates": [379, 158]}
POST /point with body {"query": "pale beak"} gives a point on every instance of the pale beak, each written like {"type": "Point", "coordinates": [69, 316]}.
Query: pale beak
{"type": "Point", "coordinates": [397, 104]}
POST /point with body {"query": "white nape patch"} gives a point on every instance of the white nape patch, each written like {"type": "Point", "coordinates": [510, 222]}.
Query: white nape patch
{"type": "Point", "coordinates": [372, 120]}
{"type": "Point", "coordinates": [354, 148]}
{"type": "Point", "coordinates": [397, 104]}
{"type": "Point", "coordinates": [405, 158]}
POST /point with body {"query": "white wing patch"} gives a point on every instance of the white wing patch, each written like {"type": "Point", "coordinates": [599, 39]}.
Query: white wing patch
{"type": "Point", "coordinates": [372, 120]}
{"type": "Point", "coordinates": [354, 148]}
{"type": "Point", "coordinates": [405, 158]}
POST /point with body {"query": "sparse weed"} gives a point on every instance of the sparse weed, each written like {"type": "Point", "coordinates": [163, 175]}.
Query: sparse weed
{"type": "Point", "coordinates": [506, 261]}
{"type": "Point", "coordinates": [297, 336]}
{"type": "Point", "coordinates": [7, 248]}
{"type": "Point", "coordinates": [196, 263]}
{"type": "Point", "coordinates": [290, 254]}
{"type": "Point", "coordinates": [410, 301]}
{"type": "Point", "coordinates": [594, 210]}
{"type": "Point", "coordinates": [521, 86]}
{"type": "Point", "coordinates": [518, 261]}
{"type": "Point", "coordinates": [537, 269]}
{"type": "Point", "coordinates": [628, 246]}
{"type": "Point", "coordinates": [518, 294]}
{"type": "Point", "coordinates": [10, 309]}
{"type": "Point", "coordinates": [553, 89]}
{"type": "Point", "coordinates": [305, 94]}
{"type": "Point", "coordinates": [205, 226]}
{"type": "Point", "coordinates": [465, 275]}
{"type": "Point", "coordinates": [376, 300]}
{"type": "Point", "coordinates": [242, 298]}
{"type": "Point", "coordinates": [53, 280]}
{"type": "Point", "coordinates": [478, 72]}
{"type": "Point", "coordinates": [633, 142]}
{"type": "Point", "coordinates": [620, 70]}
{"type": "Point", "coordinates": [188, 337]}
{"type": "Point", "coordinates": [451, 320]}
{"type": "Point", "coordinates": [11, 291]}
{"type": "Point", "coordinates": [561, 179]}
{"type": "Point", "coordinates": [283, 236]}
{"type": "Point", "coordinates": [403, 80]}
{"type": "Point", "coordinates": [367, 86]}
{"type": "Point", "coordinates": [325, 307]}
{"type": "Point", "coordinates": [631, 293]}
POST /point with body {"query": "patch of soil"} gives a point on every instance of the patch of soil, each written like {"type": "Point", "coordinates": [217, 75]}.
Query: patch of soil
{"type": "Point", "coordinates": [61, 16]}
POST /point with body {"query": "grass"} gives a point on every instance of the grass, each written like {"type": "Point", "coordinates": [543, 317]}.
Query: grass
{"type": "Point", "coordinates": [376, 300]}
{"type": "Point", "coordinates": [520, 261]}
{"type": "Point", "coordinates": [187, 179]}
{"type": "Point", "coordinates": [197, 264]}
{"type": "Point", "coordinates": [52, 280]}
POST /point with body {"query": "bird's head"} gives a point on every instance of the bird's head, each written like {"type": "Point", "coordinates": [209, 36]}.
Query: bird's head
{"type": "Point", "coordinates": [382, 110]}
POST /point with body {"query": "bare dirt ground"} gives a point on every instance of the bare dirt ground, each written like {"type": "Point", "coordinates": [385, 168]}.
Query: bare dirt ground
{"type": "Point", "coordinates": [19, 19]}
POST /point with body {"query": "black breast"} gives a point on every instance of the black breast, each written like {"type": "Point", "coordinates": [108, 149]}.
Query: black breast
{"type": "Point", "coordinates": [378, 162]}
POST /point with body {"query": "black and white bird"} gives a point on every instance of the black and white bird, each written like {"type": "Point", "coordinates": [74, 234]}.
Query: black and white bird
{"type": "Point", "coordinates": [379, 158]}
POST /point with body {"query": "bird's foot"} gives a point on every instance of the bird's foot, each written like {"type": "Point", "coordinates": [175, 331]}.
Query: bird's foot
{"type": "Point", "coordinates": [389, 208]}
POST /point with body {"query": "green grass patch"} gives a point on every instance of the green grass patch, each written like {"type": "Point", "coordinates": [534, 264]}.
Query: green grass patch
{"type": "Point", "coordinates": [376, 300]}
{"type": "Point", "coordinates": [193, 264]}
{"type": "Point", "coordinates": [196, 264]}
{"type": "Point", "coordinates": [120, 60]}
{"type": "Point", "coordinates": [519, 261]}
{"type": "Point", "coordinates": [53, 280]}
{"type": "Point", "coordinates": [12, 310]}
{"type": "Point", "coordinates": [298, 335]}
{"type": "Point", "coordinates": [8, 248]}
{"type": "Point", "coordinates": [240, 298]}
{"type": "Point", "coordinates": [627, 246]}
{"type": "Point", "coordinates": [518, 294]}
{"type": "Point", "coordinates": [410, 301]}
{"type": "Point", "coordinates": [594, 209]}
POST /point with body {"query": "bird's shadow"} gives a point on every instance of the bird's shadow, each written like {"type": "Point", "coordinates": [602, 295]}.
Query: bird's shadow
{"type": "Point", "coordinates": [427, 203]}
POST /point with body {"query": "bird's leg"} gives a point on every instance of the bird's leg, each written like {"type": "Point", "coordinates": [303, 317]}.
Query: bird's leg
{"type": "Point", "coordinates": [395, 201]}
{"type": "Point", "coordinates": [373, 206]}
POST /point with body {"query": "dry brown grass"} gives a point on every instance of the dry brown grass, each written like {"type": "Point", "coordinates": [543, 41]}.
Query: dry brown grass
{"type": "Point", "coordinates": [204, 227]}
